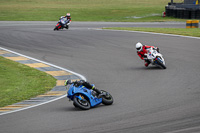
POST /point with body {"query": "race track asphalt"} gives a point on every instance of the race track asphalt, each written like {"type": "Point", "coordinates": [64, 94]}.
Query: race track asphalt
{"type": "Point", "coordinates": [146, 100]}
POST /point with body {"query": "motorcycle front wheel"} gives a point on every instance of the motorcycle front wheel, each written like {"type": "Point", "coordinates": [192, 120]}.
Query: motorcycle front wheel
{"type": "Point", "coordinates": [82, 103]}
{"type": "Point", "coordinates": [58, 26]}
{"type": "Point", "coordinates": [161, 64]}
{"type": "Point", "coordinates": [107, 99]}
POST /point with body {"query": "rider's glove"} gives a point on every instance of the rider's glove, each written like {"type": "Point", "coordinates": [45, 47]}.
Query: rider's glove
{"type": "Point", "coordinates": [145, 59]}
{"type": "Point", "coordinates": [68, 82]}
{"type": "Point", "coordinates": [145, 55]}
{"type": "Point", "coordinates": [158, 50]}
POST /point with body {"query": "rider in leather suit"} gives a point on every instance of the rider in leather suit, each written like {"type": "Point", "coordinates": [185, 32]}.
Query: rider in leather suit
{"type": "Point", "coordinates": [142, 52]}
{"type": "Point", "coordinates": [68, 18]}
{"type": "Point", "coordinates": [84, 83]}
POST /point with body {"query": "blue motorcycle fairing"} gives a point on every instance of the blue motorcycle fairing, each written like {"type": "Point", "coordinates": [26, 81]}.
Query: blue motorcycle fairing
{"type": "Point", "coordinates": [63, 21]}
{"type": "Point", "coordinates": [79, 97]}
{"type": "Point", "coordinates": [84, 91]}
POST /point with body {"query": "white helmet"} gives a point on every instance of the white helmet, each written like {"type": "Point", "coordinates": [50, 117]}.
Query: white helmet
{"type": "Point", "coordinates": [68, 14]}
{"type": "Point", "coordinates": [139, 46]}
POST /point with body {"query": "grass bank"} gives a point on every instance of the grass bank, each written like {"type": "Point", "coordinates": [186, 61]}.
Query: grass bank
{"type": "Point", "coordinates": [84, 10]}
{"type": "Point", "coordinates": [19, 82]}
{"type": "Point", "coordinates": [178, 31]}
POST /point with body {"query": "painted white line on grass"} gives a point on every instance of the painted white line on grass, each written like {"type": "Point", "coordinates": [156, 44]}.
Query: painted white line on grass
{"type": "Point", "coordinates": [154, 33]}
{"type": "Point", "coordinates": [81, 76]}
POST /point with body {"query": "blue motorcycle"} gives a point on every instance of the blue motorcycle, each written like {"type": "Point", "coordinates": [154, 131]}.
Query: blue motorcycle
{"type": "Point", "coordinates": [84, 98]}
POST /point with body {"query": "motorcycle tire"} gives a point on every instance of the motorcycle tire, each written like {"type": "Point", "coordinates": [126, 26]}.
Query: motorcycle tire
{"type": "Point", "coordinates": [75, 105]}
{"type": "Point", "coordinates": [58, 26]}
{"type": "Point", "coordinates": [82, 104]}
{"type": "Point", "coordinates": [161, 64]}
{"type": "Point", "coordinates": [108, 99]}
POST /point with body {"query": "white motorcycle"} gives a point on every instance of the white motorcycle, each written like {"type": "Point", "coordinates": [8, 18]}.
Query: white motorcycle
{"type": "Point", "coordinates": [155, 58]}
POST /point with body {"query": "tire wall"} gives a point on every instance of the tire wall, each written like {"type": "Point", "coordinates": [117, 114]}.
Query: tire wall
{"type": "Point", "coordinates": [182, 13]}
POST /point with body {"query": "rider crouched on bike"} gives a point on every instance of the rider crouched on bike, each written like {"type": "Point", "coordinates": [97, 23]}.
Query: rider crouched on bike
{"type": "Point", "coordinates": [68, 17]}
{"type": "Point", "coordinates": [142, 52]}
{"type": "Point", "coordinates": [86, 84]}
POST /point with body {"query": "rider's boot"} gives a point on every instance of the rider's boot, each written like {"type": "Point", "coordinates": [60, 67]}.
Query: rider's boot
{"type": "Point", "coordinates": [146, 63]}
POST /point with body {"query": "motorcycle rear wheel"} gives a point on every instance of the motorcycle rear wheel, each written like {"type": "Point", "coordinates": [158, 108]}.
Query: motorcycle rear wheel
{"type": "Point", "coordinates": [107, 99]}
{"type": "Point", "coordinates": [82, 104]}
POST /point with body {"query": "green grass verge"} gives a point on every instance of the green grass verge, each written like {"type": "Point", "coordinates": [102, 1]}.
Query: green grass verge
{"type": "Point", "coordinates": [84, 10]}
{"type": "Point", "coordinates": [195, 32]}
{"type": "Point", "coordinates": [19, 82]}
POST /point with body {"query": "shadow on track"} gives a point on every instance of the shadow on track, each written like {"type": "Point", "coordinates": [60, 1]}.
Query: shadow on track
{"type": "Point", "coordinates": [146, 68]}
{"type": "Point", "coordinates": [72, 108]}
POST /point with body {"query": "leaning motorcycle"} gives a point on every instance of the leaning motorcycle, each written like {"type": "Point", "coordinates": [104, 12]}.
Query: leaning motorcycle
{"type": "Point", "coordinates": [156, 58]}
{"type": "Point", "coordinates": [62, 23]}
{"type": "Point", "coordinates": [84, 98]}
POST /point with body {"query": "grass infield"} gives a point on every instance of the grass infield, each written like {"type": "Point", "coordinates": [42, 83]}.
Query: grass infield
{"type": "Point", "coordinates": [84, 10]}
{"type": "Point", "coordinates": [195, 32]}
{"type": "Point", "coordinates": [19, 82]}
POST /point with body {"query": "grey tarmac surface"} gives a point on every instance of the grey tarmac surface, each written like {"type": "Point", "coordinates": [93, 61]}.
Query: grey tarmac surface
{"type": "Point", "coordinates": [147, 100]}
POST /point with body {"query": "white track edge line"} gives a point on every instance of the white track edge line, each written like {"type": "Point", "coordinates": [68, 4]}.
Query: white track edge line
{"type": "Point", "coordinates": [81, 76]}
{"type": "Point", "coordinates": [32, 106]}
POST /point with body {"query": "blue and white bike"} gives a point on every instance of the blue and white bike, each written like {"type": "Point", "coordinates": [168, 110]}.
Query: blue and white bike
{"type": "Point", "coordinates": [84, 98]}
{"type": "Point", "coordinates": [62, 23]}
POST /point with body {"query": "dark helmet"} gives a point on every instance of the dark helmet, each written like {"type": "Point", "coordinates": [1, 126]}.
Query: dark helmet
{"type": "Point", "coordinates": [81, 81]}
{"type": "Point", "coordinates": [67, 82]}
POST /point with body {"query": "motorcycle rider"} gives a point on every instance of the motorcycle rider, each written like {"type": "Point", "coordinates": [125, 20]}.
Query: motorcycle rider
{"type": "Point", "coordinates": [68, 18]}
{"type": "Point", "coordinates": [142, 52]}
{"type": "Point", "coordinates": [86, 84]}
